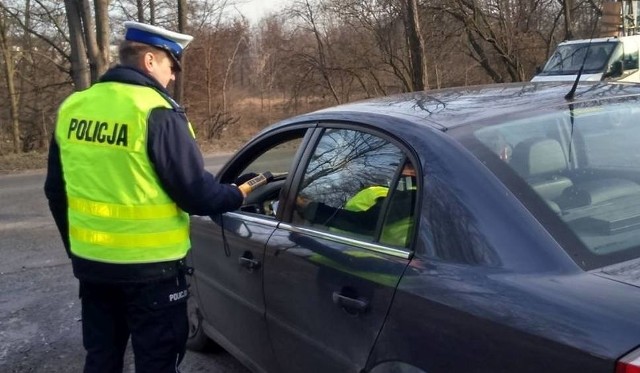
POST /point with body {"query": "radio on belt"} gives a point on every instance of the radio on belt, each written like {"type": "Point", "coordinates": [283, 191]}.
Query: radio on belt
{"type": "Point", "coordinates": [256, 182]}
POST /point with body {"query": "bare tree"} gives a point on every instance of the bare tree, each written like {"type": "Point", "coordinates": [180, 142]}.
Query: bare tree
{"type": "Point", "coordinates": [379, 26]}
{"type": "Point", "coordinates": [313, 54]}
{"type": "Point", "coordinates": [98, 41]}
{"type": "Point", "coordinates": [307, 12]}
{"type": "Point", "coordinates": [80, 73]}
{"type": "Point", "coordinates": [415, 43]}
{"type": "Point", "coordinates": [182, 25]}
{"type": "Point", "coordinates": [490, 32]}
{"type": "Point", "coordinates": [89, 44]}
{"type": "Point", "coordinates": [152, 11]}
{"type": "Point", "coordinates": [140, 8]}
{"type": "Point", "coordinates": [209, 77]}
{"type": "Point", "coordinates": [567, 7]}
{"type": "Point", "coordinates": [7, 49]}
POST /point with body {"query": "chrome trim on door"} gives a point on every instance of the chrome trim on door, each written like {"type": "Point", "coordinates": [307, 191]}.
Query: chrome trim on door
{"type": "Point", "coordinates": [349, 241]}
{"type": "Point", "coordinates": [270, 222]}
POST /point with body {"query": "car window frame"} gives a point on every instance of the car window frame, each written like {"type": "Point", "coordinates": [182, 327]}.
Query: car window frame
{"type": "Point", "coordinates": [265, 142]}
{"type": "Point", "coordinates": [295, 182]}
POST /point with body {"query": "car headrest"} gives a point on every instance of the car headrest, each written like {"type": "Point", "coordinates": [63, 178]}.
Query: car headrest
{"type": "Point", "coordinates": [538, 156]}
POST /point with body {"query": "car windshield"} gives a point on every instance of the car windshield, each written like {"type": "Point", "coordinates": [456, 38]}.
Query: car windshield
{"type": "Point", "coordinates": [583, 165]}
{"type": "Point", "coordinates": [568, 58]}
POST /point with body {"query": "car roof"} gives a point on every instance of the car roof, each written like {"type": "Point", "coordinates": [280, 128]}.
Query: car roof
{"type": "Point", "coordinates": [595, 40]}
{"type": "Point", "coordinates": [448, 108]}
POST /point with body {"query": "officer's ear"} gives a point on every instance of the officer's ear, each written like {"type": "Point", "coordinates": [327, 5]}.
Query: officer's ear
{"type": "Point", "coordinates": [148, 61]}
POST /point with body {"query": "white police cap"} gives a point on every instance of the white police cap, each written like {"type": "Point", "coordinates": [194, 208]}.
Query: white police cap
{"type": "Point", "coordinates": [173, 43]}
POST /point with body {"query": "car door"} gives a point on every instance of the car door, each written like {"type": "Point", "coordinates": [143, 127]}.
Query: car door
{"type": "Point", "coordinates": [328, 286]}
{"type": "Point", "coordinates": [228, 250]}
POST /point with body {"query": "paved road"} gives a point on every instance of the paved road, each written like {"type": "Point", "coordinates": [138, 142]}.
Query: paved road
{"type": "Point", "coordinates": [39, 307]}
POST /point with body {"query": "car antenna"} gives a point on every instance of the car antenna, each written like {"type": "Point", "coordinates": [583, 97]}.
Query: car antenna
{"type": "Point", "coordinates": [572, 118]}
{"type": "Point", "coordinates": [572, 92]}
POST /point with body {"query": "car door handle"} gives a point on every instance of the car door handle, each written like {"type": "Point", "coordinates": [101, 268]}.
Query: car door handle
{"type": "Point", "coordinates": [357, 305]}
{"type": "Point", "coordinates": [249, 263]}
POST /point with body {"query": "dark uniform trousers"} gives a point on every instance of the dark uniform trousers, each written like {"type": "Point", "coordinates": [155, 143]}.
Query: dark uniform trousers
{"type": "Point", "coordinates": [154, 314]}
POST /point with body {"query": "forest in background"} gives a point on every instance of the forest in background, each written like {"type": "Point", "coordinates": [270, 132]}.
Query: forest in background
{"type": "Point", "coordinates": [240, 77]}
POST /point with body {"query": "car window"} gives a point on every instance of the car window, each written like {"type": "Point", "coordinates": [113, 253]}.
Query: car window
{"type": "Point", "coordinates": [276, 159]}
{"type": "Point", "coordinates": [569, 58]}
{"type": "Point", "coordinates": [356, 185]}
{"type": "Point", "coordinates": [275, 154]}
{"type": "Point", "coordinates": [583, 164]}
{"type": "Point", "coordinates": [610, 139]}
{"type": "Point", "coordinates": [631, 54]}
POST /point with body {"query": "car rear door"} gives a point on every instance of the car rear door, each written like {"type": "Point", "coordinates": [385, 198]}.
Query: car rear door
{"type": "Point", "coordinates": [328, 287]}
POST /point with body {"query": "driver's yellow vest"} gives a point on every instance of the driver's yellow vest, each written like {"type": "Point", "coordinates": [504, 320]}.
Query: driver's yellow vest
{"type": "Point", "coordinates": [118, 211]}
{"type": "Point", "coordinates": [396, 233]}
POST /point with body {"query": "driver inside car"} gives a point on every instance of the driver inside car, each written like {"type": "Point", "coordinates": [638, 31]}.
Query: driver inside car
{"type": "Point", "coordinates": [360, 213]}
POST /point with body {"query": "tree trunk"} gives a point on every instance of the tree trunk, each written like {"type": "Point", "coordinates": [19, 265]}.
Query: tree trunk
{"type": "Point", "coordinates": [415, 44]}
{"type": "Point", "coordinates": [140, 8]}
{"type": "Point", "coordinates": [152, 11]}
{"type": "Point", "coordinates": [102, 35]}
{"type": "Point", "coordinates": [79, 65]}
{"type": "Point", "coordinates": [9, 68]}
{"type": "Point", "coordinates": [98, 52]}
{"type": "Point", "coordinates": [208, 73]}
{"type": "Point", "coordinates": [227, 73]}
{"type": "Point", "coordinates": [182, 24]}
{"type": "Point", "coordinates": [320, 48]}
{"type": "Point", "coordinates": [568, 21]}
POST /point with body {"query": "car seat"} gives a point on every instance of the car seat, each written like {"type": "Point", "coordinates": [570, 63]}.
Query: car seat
{"type": "Point", "coordinates": [542, 163]}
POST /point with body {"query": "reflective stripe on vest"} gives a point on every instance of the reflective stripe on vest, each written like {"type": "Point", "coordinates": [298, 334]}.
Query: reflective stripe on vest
{"type": "Point", "coordinates": [112, 210]}
{"type": "Point", "coordinates": [118, 211]}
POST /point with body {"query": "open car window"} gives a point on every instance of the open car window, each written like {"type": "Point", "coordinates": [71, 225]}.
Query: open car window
{"type": "Point", "coordinates": [275, 155]}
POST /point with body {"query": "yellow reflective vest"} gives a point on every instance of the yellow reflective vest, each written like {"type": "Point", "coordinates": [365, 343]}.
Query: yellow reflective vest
{"type": "Point", "coordinates": [396, 233]}
{"type": "Point", "coordinates": [118, 212]}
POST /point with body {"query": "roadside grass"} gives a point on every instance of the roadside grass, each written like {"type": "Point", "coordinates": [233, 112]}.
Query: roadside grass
{"type": "Point", "coordinates": [252, 114]}
{"type": "Point", "coordinates": [15, 163]}
{"type": "Point", "coordinates": [11, 163]}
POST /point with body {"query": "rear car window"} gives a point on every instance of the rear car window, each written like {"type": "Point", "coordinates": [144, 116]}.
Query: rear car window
{"type": "Point", "coordinates": [583, 164]}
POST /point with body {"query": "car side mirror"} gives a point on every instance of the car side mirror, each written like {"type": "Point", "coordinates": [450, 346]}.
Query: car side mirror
{"type": "Point", "coordinates": [538, 69]}
{"type": "Point", "coordinates": [615, 71]}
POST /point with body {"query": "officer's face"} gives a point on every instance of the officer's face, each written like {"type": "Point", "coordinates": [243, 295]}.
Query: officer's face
{"type": "Point", "coordinates": [160, 66]}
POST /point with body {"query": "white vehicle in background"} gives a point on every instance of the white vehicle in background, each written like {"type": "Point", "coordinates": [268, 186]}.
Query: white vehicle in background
{"type": "Point", "coordinates": [610, 58]}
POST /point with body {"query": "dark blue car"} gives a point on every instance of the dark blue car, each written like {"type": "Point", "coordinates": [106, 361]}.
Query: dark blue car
{"type": "Point", "coordinates": [478, 229]}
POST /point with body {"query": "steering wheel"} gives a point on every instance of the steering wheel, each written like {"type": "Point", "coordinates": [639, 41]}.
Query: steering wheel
{"type": "Point", "coordinates": [256, 200]}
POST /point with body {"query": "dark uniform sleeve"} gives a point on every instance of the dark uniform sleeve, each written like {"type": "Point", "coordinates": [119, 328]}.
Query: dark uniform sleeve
{"type": "Point", "coordinates": [54, 190]}
{"type": "Point", "coordinates": [180, 167]}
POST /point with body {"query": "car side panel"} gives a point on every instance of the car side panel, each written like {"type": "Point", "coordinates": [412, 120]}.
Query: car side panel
{"type": "Point", "coordinates": [458, 318]}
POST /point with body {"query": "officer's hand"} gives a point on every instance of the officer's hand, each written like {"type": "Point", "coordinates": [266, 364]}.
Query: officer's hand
{"type": "Point", "coordinates": [254, 183]}
{"type": "Point", "coordinates": [245, 177]}
{"type": "Point", "coordinates": [302, 202]}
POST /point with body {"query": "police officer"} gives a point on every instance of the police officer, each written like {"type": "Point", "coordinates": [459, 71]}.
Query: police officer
{"type": "Point", "coordinates": [124, 172]}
